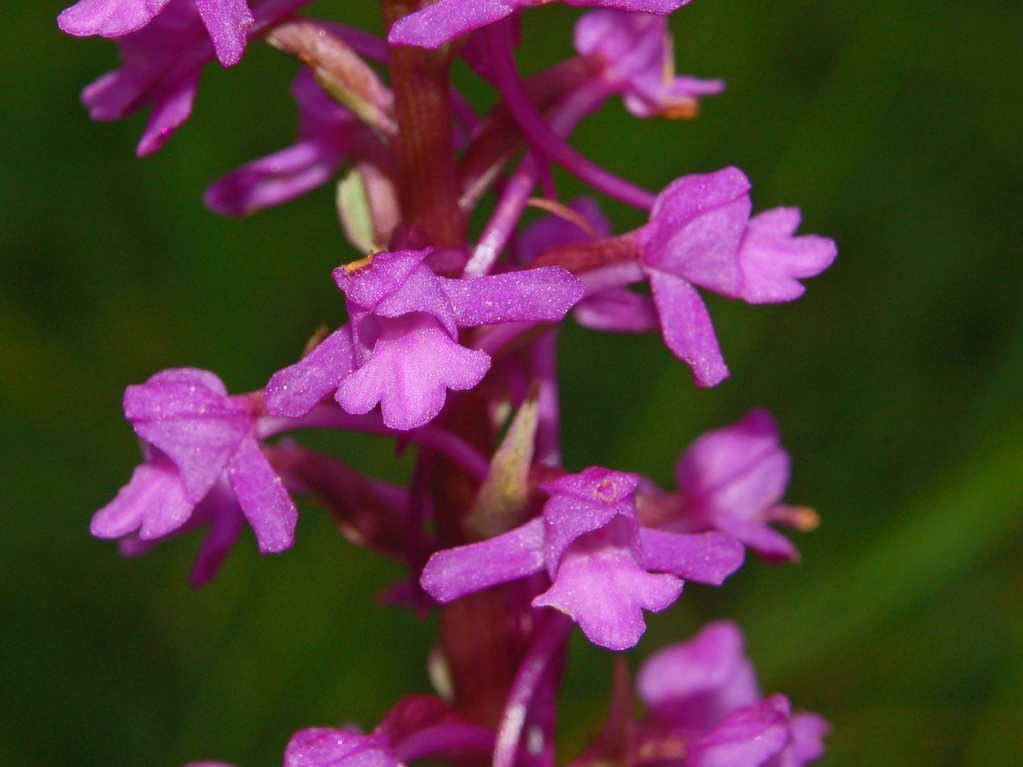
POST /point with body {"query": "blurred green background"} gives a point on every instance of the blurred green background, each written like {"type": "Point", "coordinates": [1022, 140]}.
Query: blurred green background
{"type": "Point", "coordinates": [898, 129]}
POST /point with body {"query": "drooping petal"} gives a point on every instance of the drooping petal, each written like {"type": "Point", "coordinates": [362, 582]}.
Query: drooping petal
{"type": "Point", "coordinates": [263, 498]}
{"type": "Point", "coordinates": [152, 502]}
{"type": "Point", "coordinates": [226, 523]}
{"type": "Point", "coordinates": [409, 374]}
{"type": "Point", "coordinates": [605, 591]}
{"type": "Point", "coordinates": [227, 22]}
{"type": "Point", "coordinates": [297, 389]}
{"type": "Point", "coordinates": [702, 557]}
{"type": "Point", "coordinates": [453, 573]}
{"type": "Point", "coordinates": [773, 259]}
{"type": "Point", "coordinates": [272, 180]}
{"type": "Point", "coordinates": [172, 106]}
{"type": "Point", "coordinates": [687, 329]}
{"type": "Point", "coordinates": [324, 136]}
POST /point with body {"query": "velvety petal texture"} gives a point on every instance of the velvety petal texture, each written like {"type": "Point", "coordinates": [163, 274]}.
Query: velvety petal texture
{"type": "Point", "coordinates": [590, 545]}
{"type": "Point", "coordinates": [204, 465]}
{"type": "Point", "coordinates": [108, 18]}
{"type": "Point", "coordinates": [401, 348]}
{"type": "Point", "coordinates": [700, 235]}
{"type": "Point", "coordinates": [326, 747]}
{"type": "Point", "coordinates": [603, 585]}
{"type": "Point", "coordinates": [695, 229]}
{"type": "Point", "coordinates": [298, 388]}
{"type": "Point", "coordinates": [773, 259]}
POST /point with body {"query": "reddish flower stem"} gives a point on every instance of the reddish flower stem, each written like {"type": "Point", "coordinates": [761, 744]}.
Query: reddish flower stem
{"type": "Point", "coordinates": [425, 148]}
{"type": "Point", "coordinates": [484, 636]}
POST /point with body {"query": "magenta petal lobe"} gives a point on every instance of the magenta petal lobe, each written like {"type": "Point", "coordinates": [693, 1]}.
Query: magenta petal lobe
{"type": "Point", "coordinates": [263, 498]}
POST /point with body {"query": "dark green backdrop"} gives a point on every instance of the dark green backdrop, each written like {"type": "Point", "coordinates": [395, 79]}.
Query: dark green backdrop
{"type": "Point", "coordinates": [896, 126]}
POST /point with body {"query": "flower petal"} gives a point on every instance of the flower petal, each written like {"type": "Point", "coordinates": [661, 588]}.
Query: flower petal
{"type": "Point", "coordinates": [227, 22]}
{"type": "Point", "coordinates": [298, 388]}
{"type": "Point", "coordinates": [108, 18]}
{"type": "Point", "coordinates": [186, 414]}
{"type": "Point", "coordinates": [453, 573]}
{"type": "Point", "coordinates": [409, 374]}
{"type": "Point", "coordinates": [605, 591]}
{"type": "Point", "coordinates": [695, 229]}
{"type": "Point", "coordinates": [687, 329]}
{"type": "Point", "coordinates": [772, 259]}
{"type": "Point", "coordinates": [533, 295]}
{"type": "Point", "coordinates": [702, 557]}
{"type": "Point", "coordinates": [445, 20]}
{"type": "Point", "coordinates": [748, 736]}
{"type": "Point", "coordinates": [153, 502]}
{"type": "Point", "coordinates": [325, 747]}
{"type": "Point", "coordinates": [263, 498]}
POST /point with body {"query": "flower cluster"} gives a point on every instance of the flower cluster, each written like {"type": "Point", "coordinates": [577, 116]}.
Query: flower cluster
{"type": "Point", "coordinates": [450, 345]}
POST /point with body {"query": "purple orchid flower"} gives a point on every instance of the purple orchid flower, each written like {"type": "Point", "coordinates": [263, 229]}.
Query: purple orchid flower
{"type": "Point", "coordinates": [640, 63]}
{"type": "Point", "coordinates": [700, 235]}
{"type": "Point", "coordinates": [161, 64]}
{"type": "Point", "coordinates": [401, 348]}
{"type": "Point", "coordinates": [604, 568]}
{"type": "Point", "coordinates": [324, 138]}
{"type": "Point", "coordinates": [732, 479]}
{"type": "Point", "coordinates": [703, 694]}
{"type": "Point", "coordinates": [225, 21]}
{"type": "Point", "coordinates": [443, 21]}
{"type": "Point", "coordinates": [203, 463]}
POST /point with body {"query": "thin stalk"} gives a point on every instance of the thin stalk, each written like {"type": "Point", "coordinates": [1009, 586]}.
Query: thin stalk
{"type": "Point", "coordinates": [425, 147]}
